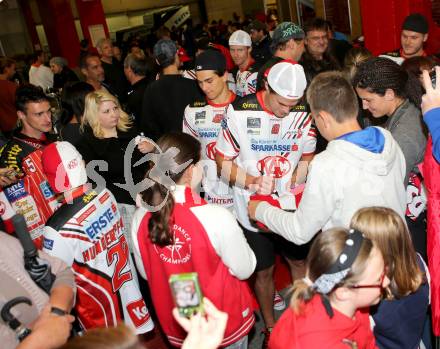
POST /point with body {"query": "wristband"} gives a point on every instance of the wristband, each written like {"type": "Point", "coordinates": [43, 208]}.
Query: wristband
{"type": "Point", "coordinates": [58, 311]}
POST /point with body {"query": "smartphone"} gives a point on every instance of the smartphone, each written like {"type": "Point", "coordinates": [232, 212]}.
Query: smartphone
{"type": "Point", "coordinates": [187, 293]}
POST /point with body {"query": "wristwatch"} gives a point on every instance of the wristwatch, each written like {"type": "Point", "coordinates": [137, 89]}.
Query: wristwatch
{"type": "Point", "coordinates": [58, 311]}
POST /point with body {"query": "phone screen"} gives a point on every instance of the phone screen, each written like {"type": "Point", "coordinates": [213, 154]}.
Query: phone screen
{"type": "Point", "coordinates": [187, 293]}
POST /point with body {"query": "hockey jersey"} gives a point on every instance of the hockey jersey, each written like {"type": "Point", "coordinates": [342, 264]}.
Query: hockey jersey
{"type": "Point", "coordinates": [246, 80]}
{"type": "Point", "coordinates": [263, 144]}
{"type": "Point", "coordinates": [31, 196]}
{"type": "Point", "coordinates": [202, 120]}
{"type": "Point", "coordinates": [88, 234]}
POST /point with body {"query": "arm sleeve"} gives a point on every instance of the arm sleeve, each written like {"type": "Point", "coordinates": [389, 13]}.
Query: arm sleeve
{"type": "Point", "coordinates": [227, 142]}
{"type": "Point", "coordinates": [227, 239]}
{"type": "Point", "coordinates": [251, 83]}
{"type": "Point", "coordinates": [432, 120]}
{"type": "Point", "coordinates": [310, 142]}
{"type": "Point", "coordinates": [188, 123]}
{"type": "Point", "coordinates": [410, 151]}
{"type": "Point", "coordinates": [314, 210]}
{"type": "Point", "coordinates": [63, 273]}
{"type": "Point", "coordinates": [57, 246]}
{"type": "Point", "coordinates": [137, 220]}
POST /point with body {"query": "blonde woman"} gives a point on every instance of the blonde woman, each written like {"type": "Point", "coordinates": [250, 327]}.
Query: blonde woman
{"type": "Point", "coordinates": [399, 321]}
{"type": "Point", "coordinates": [106, 132]}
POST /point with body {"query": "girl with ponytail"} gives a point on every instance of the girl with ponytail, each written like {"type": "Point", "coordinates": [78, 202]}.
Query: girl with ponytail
{"type": "Point", "coordinates": [181, 233]}
{"type": "Point", "coordinates": [329, 307]}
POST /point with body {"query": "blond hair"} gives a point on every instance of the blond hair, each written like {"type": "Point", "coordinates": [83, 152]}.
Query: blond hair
{"type": "Point", "coordinates": [323, 253]}
{"type": "Point", "coordinates": [390, 234]}
{"type": "Point", "coordinates": [353, 59]}
{"type": "Point", "coordinates": [91, 110]}
{"type": "Point", "coordinates": [120, 337]}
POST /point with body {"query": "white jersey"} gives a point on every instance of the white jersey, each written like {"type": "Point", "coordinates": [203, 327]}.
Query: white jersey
{"type": "Point", "coordinates": [246, 80]}
{"type": "Point", "coordinates": [191, 74]}
{"type": "Point", "coordinates": [88, 234]}
{"type": "Point", "coordinates": [263, 144]}
{"type": "Point", "coordinates": [202, 120]}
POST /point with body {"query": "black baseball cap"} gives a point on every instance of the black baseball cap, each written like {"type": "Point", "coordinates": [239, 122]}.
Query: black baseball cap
{"type": "Point", "coordinates": [416, 22]}
{"type": "Point", "coordinates": [210, 59]}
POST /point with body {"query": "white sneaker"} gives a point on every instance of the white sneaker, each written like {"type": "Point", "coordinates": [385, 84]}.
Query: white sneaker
{"type": "Point", "coordinates": [278, 302]}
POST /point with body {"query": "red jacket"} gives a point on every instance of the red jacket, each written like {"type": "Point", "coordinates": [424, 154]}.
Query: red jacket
{"type": "Point", "coordinates": [431, 174]}
{"type": "Point", "coordinates": [314, 329]}
{"type": "Point", "coordinates": [192, 251]}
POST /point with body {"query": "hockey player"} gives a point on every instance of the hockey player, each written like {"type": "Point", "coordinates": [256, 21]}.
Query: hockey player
{"type": "Point", "coordinates": [203, 117]}
{"type": "Point", "coordinates": [262, 141]}
{"type": "Point", "coordinates": [87, 233]}
{"type": "Point", "coordinates": [246, 72]}
{"type": "Point", "coordinates": [31, 195]}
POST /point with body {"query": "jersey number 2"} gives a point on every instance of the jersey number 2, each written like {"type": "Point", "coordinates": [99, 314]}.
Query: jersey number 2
{"type": "Point", "coordinates": [119, 252]}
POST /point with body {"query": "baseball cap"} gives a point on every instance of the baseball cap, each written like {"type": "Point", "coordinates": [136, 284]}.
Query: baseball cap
{"type": "Point", "coordinates": [164, 51]}
{"type": "Point", "coordinates": [63, 166]}
{"type": "Point", "coordinates": [286, 31]}
{"type": "Point", "coordinates": [183, 56]}
{"type": "Point", "coordinates": [256, 25]}
{"type": "Point", "coordinates": [210, 60]}
{"type": "Point", "coordinates": [240, 38]}
{"type": "Point", "coordinates": [416, 22]}
{"type": "Point", "coordinates": [287, 79]}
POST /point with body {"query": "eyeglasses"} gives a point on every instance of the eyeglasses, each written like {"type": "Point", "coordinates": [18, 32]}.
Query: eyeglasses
{"type": "Point", "coordinates": [379, 285]}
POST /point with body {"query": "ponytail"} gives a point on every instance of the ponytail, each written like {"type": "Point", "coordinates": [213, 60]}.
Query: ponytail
{"type": "Point", "coordinates": [161, 221]}
{"type": "Point", "coordinates": [301, 293]}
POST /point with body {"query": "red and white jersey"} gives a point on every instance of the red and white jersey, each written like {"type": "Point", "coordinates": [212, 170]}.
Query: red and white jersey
{"type": "Point", "coordinates": [246, 79]}
{"type": "Point", "coordinates": [202, 120]}
{"type": "Point", "coordinates": [88, 234]}
{"type": "Point", "coordinates": [263, 144]}
{"type": "Point", "coordinates": [30, 196]}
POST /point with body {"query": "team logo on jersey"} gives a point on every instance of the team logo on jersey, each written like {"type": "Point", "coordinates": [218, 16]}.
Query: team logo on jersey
{"type": "Point", "coordinates": [274, 166]}
{"type": "Point", "coordinates": [275, 129]}
{"type": "Point", "coordinates": [48, 244]}
{"type": "Point", "coordinates": [138, 312]}
{"type": "Point", "coordinates": [180, 251]}
{"type": "Point", "coordinates": [201, 115]}
{"type": "Point", "coordinates": [210, 150]}
{"type": "Point", "coordinates": [217, 118]}
{"type": "Point", "coordinates": [46, 190]}
{"type": "Point", "coordinates": [72, 164]}
{"type": "Point", "coordinates": [253, 122]}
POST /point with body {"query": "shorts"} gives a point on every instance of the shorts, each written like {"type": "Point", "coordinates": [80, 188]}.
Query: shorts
{"type": "Point", "coordinates": [267, 245]}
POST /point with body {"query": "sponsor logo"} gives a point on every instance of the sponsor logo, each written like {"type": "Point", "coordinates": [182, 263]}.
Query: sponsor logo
{"type": "Point", "coordinates": [253, 122]}
{"type": "Point", "coordinates": [100, 224]}
{"type": "Point", "coordinates": [217, 118]}
{"type": "Point", "coordinates": [46, 190]}
{"type": "Point", "coordinates": [138, 312]}
{"type": "Point", "coordinates": [72, 164]}
{"type": "Point", "coordinates": [249, 105]}
{"type": "Point", "coordinates": [272, 147]}
{"type": "Point", "coordinates": [274, 166]}
{"type": "Point", "coordinates": [15, 191]}
{"type": "Point", "coordinates": [200, 115]}
{"type": "Point", "coordinates": [104, 198]}
{"type": "Point", "coordinates": [275, 129]}
{"type": "Point", "coordinates": [199, 104]}
{"type": "Point", "coordinates": [48, 244]}
{"type": "Point", "coordinates": [180, 251]}
{"type": "Point", "coordinates": [210, 150]}
{"type": "Point", "coordinates": [89, 196]}
{"type": "Point", "coordinates": [208, 134]}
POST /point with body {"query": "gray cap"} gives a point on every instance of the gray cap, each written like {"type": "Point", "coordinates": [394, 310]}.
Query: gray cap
{"type": "Point", "coordinates": [62, 62]}
{"type": "Point", "coordinates": [165, 51]}
{"type": "Point", "coordinates": [286, 31]}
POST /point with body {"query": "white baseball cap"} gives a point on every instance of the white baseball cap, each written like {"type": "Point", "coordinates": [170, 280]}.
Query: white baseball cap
{"type": "Point", "coordinates": [287, 79]}
{"type": "Point", "coordinates": [63, 166]}
{"type": "Point", "coordinates": [240, 38]}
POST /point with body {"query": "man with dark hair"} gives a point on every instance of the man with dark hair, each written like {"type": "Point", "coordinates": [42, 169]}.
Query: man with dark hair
{"type": "Point", "coordinates": [91, 67]}
{"type": "Point", "coordinates": [39, 74]}
{"type": "Point", "coordinates": [359, 168]}
{"type": "Point", "coordinates": [138, 72]}
{"type": "Point", "coordinates": [260, 41]}
{"type": "Point", "coordinates": [113, 70]}
{"type": "Point", "coordinates": [165, 99]}
{"type": "Point", "coordinates": [287, 44]}
{"type": "Point", "coordinates": [8, 119]}
{"type": "Point", "coordinates": [317, 57]}
{"type": "Point", "coordinates": [414, 34]}
{"type": "Point", "coordinates": [31, 194]}
{"type": "Point", "coordinates": [203, 118]}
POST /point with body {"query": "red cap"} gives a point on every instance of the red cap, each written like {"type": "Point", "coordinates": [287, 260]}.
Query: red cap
{"type": "Point", "coordinates": [183, 56]}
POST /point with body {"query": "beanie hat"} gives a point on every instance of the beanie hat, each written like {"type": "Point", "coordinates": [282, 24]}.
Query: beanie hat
{"type": "Point", "coordinates": [63, 166]}
{"type": "Point", "coordinates": [287, 79]}
{"type": "Point", "coordinates": [210, 60]}
{"type": "Point", "coordinates": [286, 31]}
{"type": "Point", "coordinates": [240, 38]}
{"type": "Point", "coordinates": [416, 22]}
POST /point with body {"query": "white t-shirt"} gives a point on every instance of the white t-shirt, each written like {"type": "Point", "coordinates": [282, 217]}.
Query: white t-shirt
{"type": "Point", "coordinates": [262, 144]}
{"type": "Point", "coordinates": [41, 76]}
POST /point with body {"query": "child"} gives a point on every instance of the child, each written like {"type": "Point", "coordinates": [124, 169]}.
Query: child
{"type": "Point", "coordinates": [329, 308]}
{"type": "Point", "coordinates": [398, 321]}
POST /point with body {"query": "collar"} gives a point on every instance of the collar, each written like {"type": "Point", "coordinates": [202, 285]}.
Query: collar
{"type": "Point", "coordinates": [402, 54]}
{"type": "Point", "coordinates": [251, 62]}
{"type": "Point", "coordinates": [34, 142]}
{"type": "Point", "coordinates": [261, 101]}
{"type": "Point", "coordinates": [231, 98]}
{"type": "Point", "coordinates": [36, 65]}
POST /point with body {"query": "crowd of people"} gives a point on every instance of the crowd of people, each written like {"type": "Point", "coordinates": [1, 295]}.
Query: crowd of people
{"type": "Point", "coordinates": [214, 150]}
